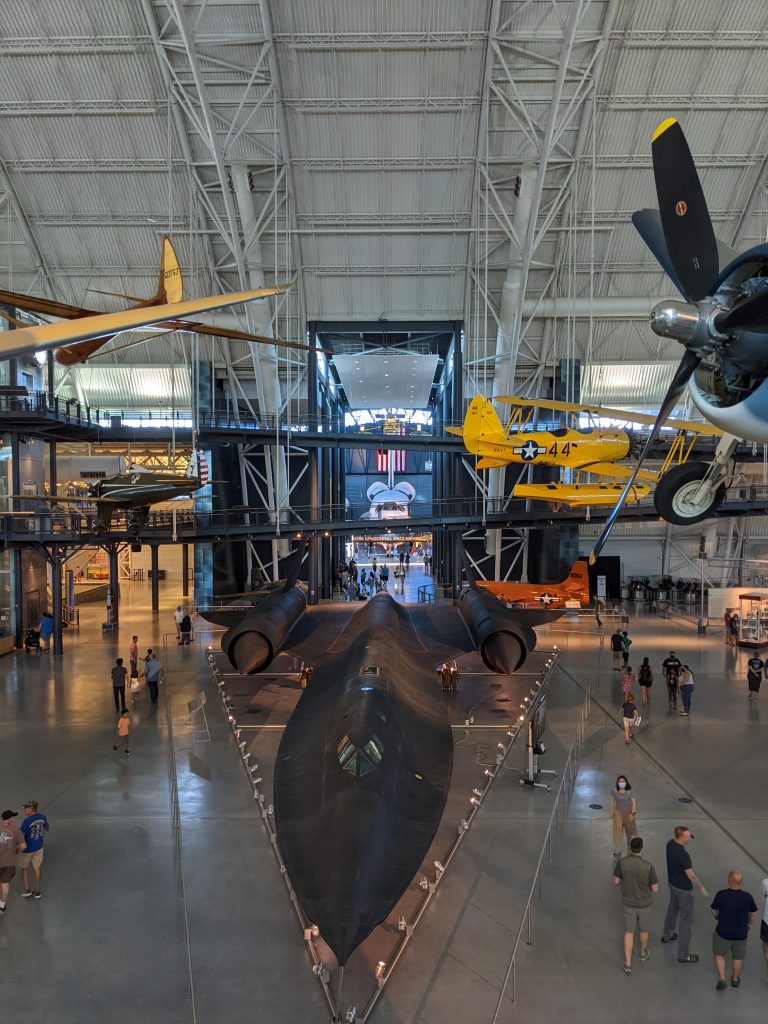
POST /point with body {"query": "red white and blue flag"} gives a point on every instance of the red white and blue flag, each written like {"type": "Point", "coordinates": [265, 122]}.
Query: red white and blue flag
{"type": "Point", "coordinates": [385, 459]}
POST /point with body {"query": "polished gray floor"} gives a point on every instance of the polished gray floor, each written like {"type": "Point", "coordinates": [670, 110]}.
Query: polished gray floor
{"type": "Point", "coordinates": [109, 939]}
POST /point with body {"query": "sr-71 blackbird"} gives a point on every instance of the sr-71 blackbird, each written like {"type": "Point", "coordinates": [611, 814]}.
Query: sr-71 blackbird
{"type": "Point", "coordinates": [364, 765]}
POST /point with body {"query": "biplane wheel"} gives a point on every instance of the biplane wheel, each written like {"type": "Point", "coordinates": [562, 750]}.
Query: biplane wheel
{"type": "Point", "coordinates": [675, 496]}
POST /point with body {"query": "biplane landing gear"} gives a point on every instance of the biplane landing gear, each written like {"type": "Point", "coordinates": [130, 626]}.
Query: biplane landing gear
{"type": "Point", "coordinates": [684, 497]}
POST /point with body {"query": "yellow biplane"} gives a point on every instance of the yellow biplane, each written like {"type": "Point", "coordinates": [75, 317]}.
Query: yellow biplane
{"type": "Point", "coordinates": [592, 454]}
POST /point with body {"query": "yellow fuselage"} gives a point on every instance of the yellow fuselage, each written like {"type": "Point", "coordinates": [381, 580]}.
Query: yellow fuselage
{"type": "Point", "coordinates": [572, 449]}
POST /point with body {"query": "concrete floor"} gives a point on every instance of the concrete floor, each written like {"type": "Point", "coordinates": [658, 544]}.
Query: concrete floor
{"type": "Point", "coordinates": [107, 941]}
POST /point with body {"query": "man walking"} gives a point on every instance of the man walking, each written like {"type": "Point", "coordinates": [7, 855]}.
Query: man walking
{"type": "Point", "coordinates": [133, 655]}
{"type": "Point", "coordinates": [178, 615]}
{"type": "Point", "coordinates": [638, 881]}
{"type": "Point", "coordinates": [119, 674]}
{"type": "Point", "coordinates": [617, 647]}
{"type": "Point", "coordinates": [734, 910]}
{"type": "Point", "coordinates": [11, 845]}
{"type": "Point", "coordinates": [152, 675]}
{"type": "Point", "coordinates": [33, 829]}
{"type": "Point", "coordinates": [681, 878]}
{"type": "Point", "coordinates": [672, 666]}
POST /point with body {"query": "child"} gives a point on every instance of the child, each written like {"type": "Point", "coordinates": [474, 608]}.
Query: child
{"type": "Point", "coordinates": [123, 730]}
{"type": "Point", "coordinates": [134, 685]}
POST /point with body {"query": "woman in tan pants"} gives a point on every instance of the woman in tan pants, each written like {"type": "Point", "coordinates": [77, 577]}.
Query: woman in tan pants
{"type": "Point", "coordinates": [623, 812]}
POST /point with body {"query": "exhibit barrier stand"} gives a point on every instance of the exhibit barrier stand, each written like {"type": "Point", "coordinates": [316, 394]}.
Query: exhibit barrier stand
{"type": "Point", "coordinates": [198, 721]}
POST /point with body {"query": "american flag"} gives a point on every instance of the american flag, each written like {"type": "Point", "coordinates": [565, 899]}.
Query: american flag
{"type": "Point", "coordinates": [198, 466]}
{"type": "Point", "coordinates": [383, 457]}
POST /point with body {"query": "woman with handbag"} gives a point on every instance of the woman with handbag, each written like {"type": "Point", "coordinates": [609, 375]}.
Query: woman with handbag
{"type": "Point", "coordinates": [623, 812]}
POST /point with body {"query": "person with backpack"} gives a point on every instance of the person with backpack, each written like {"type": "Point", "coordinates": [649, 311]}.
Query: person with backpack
{"type": "Point", "coordinates": [645, 679]}
{"type": "Point", "coordinates": [616, 648]}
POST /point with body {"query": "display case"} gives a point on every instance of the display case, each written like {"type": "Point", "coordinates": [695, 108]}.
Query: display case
{"type": "Point", "coordinates": [753, 621]}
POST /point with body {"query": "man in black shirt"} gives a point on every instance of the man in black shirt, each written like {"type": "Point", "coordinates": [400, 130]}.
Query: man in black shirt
{"type": "Point", "coordinates": [672, 666]}
{"type": "Point", "coordinates": [119, 672]}
{"type": "Point", "coordinates": [734, 910]}
{"type": "Point", "coordinates": [755, 669]}
{"type": "Point", "coordinates": [617, 648]}
{"type": "Point", "coordinates": [681, 877]}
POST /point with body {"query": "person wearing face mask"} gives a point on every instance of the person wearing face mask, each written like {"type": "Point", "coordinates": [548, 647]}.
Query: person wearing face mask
{"type": "Point", "coordinates": [623, 812]}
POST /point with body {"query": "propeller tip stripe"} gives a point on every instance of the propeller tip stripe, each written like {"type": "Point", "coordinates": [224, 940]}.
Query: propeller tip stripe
{"type": "Point", "coordinates": [663, 127]}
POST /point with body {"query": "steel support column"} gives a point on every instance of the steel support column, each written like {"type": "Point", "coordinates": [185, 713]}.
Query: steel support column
{"type": "Point", "coordinates": [185, 570]}
{"type": "Point", "coordinates": [154, 574]}
{"type": "Point", "coordinates": [56, 563]}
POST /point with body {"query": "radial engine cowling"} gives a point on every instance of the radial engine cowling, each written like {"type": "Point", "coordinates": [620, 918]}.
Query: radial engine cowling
{"type": "Point", "coordinates": [258, 638]}
{"type": "Point", "coordinates": [503, 642]}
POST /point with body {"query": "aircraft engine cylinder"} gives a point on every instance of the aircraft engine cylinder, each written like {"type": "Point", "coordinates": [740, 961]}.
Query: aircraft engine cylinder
{"type": "Point", "coordinates": [255, 642]}
{"type": "Point", "coordinates": [502, 641]}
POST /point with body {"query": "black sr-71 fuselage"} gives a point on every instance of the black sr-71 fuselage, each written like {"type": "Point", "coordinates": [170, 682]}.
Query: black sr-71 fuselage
{"type": "Point", "coordinates": [364, 765]}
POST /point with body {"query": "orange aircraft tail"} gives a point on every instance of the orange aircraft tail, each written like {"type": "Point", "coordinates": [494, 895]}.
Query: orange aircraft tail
{"type": "Point", "coordinates": [577, 583]}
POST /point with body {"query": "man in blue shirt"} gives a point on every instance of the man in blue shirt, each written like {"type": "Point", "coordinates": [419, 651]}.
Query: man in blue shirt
{"type": "Point", "coordinates": [152, 674]}
{"type": "Point", "coordinates": [681, 877]}
{"type": "Point", "coordinates": [33, 828]}
{"type": "Point", "coordinates": [733, 909]}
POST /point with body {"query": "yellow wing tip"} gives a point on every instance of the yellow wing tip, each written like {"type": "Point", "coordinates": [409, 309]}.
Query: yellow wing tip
{"type": "Point", "coordinates": [592, 558]}
{"type": "Point", "coordinates": [663, 127]}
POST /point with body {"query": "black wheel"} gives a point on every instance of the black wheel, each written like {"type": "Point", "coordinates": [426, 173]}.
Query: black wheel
{"type": "Point", "coordinates": [675, 493]}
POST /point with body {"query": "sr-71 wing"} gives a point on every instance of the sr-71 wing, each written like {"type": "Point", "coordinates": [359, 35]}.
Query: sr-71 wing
{"type": "Point", "coordinates": [106, 325]}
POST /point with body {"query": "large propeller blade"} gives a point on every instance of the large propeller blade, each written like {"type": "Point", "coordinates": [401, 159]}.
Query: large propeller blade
{"type": "Point", "coordinates": [690, 238]}
{"type": "Point", "coordinates": [683, 374]}
{"type": "Point", "coordinates": [648, 226]}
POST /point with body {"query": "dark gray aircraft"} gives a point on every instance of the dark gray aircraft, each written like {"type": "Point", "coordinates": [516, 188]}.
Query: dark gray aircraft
{"type": "Point", "coordinates": [132, 492]}
{"type": "Point", "coordinates": [364, 765]}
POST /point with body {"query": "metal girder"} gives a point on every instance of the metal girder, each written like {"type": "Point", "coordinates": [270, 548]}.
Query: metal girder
{"type": "Point", "coordinates": [83, 108]}
{"type": "Point", "coordinates": [449, 39]}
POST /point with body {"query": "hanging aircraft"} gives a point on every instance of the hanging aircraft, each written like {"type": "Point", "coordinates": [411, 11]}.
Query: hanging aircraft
{"type": "Point", "coordinates": [722, 326]}
{"type": "Point", "coordinates": [85, 331]}
{"type": "Point", "coordinates": [592, 455]}
{"type": "Point", "coordinates": [575, 587]}
{"type": "Point", "coordinates": [364, 765]}
{"type": "Point", "coordinates": [133, 492]}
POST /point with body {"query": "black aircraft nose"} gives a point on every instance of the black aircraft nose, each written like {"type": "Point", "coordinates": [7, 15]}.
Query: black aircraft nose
{"type": "Point", "coordinates": [249, 652]}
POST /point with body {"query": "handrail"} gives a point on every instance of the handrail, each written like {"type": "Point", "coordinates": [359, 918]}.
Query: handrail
{"type": "Point", "coordinates": [570, 770]}
{"type": "Point", "coordinates": [178, 849]}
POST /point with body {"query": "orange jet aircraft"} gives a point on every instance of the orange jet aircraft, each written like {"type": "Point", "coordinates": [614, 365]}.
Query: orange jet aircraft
{"type": "Point", "coordinates": [554, 595]}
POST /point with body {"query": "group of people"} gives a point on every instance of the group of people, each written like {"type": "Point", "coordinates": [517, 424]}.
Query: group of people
{"type": "Point", "coordinates": [22, 847]}
{"type": "Point", "coordinates": [150, 672]}
{"type": "Point", "coordinates": [678, 677]}
{"type": "Point", "coordinates": [355, 584]}
{"type": "Point", "coordinates": [732, 622]}
{"type": "Point", "coordinates": [732, 908]}
{"type": "Point", "coordinates": [183, 621]}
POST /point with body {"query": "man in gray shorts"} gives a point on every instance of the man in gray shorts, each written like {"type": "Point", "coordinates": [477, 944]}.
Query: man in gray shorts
{"type": "Point", "coordinates": [734, 911]}
{"type": "Point", "coordinates": [11, 845]}
{"type": "Point", "coordinates": [638, 881]}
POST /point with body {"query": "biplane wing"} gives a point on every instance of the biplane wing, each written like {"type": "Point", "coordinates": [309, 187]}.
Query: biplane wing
{"type": "Point", "coordinates": [605, 412]}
